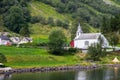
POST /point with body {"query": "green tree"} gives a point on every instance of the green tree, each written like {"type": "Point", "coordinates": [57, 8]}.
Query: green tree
{"type": "Point", "coordinates": [114, 40]}
{"type": "Point", "coordinates": [105, 28]}
{"type": "Point", "coordinates": [115, 23]}
{"type": "Point", "coordinates": [14, 19]}
{"type": "Point", "coordinates": [56, 41]}
{"type": "Point", "coordinates": [24, 31]}
{"type": "Point", "coordinates": [95, 52]}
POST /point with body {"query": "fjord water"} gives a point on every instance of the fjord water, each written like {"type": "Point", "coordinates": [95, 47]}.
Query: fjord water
{"type": "Point", "coordinates": [98, 74]}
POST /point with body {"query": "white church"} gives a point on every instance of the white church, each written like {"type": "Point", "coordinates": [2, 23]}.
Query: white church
{"type": "Point", "coordinates": [84, 40]}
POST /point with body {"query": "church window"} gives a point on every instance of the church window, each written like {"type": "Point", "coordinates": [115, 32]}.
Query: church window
{"type": "Point", "coordinates": [86, 42]}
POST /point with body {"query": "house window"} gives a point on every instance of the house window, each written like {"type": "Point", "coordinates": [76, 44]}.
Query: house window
{"type": "Point", "coordinates": [86, 43]}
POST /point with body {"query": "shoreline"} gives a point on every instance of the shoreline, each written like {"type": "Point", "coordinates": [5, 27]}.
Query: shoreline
{"type": "Point", "coordinates": [50, 69]}
{"type": "Point", "coordinates": [59, 68]}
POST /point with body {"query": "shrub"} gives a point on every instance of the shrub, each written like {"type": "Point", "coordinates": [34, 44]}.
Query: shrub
{"type": "Point", "coordinates": [2, 58]}
{"type": "Point", "coordinates": [72, 50]}
{"type": "Point", "coordinates": [95, 52]}
{"type": "Point", "coordinates": [56, 41]}
{"type": "Point", "coordinates": [35, 19]}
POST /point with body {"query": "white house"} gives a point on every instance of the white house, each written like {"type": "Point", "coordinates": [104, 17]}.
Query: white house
{"type": "Point", "coordinates": [4, 40]}
{"type": "Point", "coordinates": [18, 40]}
{"type": "Point", "coordinates": [84, 40]}
{"type": "Point", "coordinates": [15, 40]}
{"type": "Point", "coordinates": [25, 40]}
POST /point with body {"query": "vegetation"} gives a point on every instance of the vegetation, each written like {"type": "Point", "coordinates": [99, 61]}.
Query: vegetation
{"type": "Point", "coordinates": [114, 40]}
{"type": "Point", "coordinates": [2, 58]}
{"type": "Point", "coordinates": [90, 11]}
{"type": "Point", "coordinates": [35, 57]}
{"type": "Point", "coordinates": [15, 14]}
{"type": "Point", "coordinates": [95, 52]}
{"type": "Point", "coordinates": [40, 17]}
{"type": "Point", "coordinates": [111, 28]}
{"type": "Point", "coordinates": [57, 41]}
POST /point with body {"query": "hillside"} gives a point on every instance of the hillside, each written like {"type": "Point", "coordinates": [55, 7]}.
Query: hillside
{"type": "Point", "coordinates": [41, 32]}
{"type": "Point", "coordinates": [46, 14]}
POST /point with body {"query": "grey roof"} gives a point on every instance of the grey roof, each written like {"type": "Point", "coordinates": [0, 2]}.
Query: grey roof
{"type": "Point", "coordinates": [89, 36]}
{"type": "Point", "coordinates": [4, 38]}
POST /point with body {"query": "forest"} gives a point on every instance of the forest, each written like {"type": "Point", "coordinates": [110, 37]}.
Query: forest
{"type": "Point", "coordinates": [15, 15]}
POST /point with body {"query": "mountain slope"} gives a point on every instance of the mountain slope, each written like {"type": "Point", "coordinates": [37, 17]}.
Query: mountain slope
{"type": "Point", "coordinates": [41, 32]}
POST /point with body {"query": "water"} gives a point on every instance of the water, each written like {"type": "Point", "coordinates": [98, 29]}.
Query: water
{"type": "Point", "coordinates": [98, 74]}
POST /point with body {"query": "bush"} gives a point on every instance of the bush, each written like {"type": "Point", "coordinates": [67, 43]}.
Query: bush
{"type": "Point", "coordinates": [34, 45]}
{"type": "Point", "coordinates": [35, 19]}
{"type": "Point", "coordinates": [72, 50]}
{"type": "Point", "coordinates": [56, 41]}
{"type": "Point", "coordinates": [95, 52]}
{"type": "Point", "coordinates": [2, 58]}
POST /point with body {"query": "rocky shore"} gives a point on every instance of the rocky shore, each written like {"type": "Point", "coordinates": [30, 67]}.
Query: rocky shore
{"type": "Point", "coordinates": [60, 68]}
{"type": "Point", "coordinates": [49, 69]}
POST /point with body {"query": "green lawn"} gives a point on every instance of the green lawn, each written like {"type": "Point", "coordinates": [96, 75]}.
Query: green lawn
{"type": "Point", "coordinates": [33, 57]}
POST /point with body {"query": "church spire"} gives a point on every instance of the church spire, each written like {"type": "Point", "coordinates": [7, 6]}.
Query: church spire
{"type": "Point", "coordinates": [79, 31]}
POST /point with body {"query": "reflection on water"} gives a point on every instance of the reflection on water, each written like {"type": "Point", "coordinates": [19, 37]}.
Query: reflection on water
{"type": "Point", "coordinates": [6, 76]}
{"type": "Point", "coordinates": [81, 75]}
{"type": "Point", "coordinates": [98, 74]}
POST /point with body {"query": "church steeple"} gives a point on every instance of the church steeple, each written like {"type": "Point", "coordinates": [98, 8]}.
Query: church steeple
{"type": "Point", "coordinates": [79, 31]}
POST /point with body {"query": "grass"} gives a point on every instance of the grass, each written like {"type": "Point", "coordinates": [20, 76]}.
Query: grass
{"type": "Point", "coordinates": [33, 57]}
{"type": "Point", "coordinates": [37, 8]}
{"type": "Point", "coordinates": [40, 33]}
{"type": "Point", "coordinates": [36, 57]}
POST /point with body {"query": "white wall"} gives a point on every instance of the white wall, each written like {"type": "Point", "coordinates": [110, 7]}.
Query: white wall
{"type": "Point", "coordinates": [81, 43]}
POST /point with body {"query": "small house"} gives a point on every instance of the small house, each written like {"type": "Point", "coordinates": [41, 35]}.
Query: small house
{"type": "Point", "coordinates": [25, 40]}
{"type": "Point", "coordinates": [4, 40]}
{"type": "Point", "coordinates": [15, 40]}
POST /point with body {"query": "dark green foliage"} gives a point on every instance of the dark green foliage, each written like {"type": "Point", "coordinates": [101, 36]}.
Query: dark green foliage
{"type": "Point", "coordinates": [72, 50]}
{"type": "Point", "coordinates": [111, 28]}
{"type": "Point", "coordinates": [113, 39]}
{"type": "Point", "coordinates": [105, 28]}
{"type": "Point", "coordinates": [51, 21]}
{"type": "Point", "coordinates": [24, 31]}
{"type": "Point", "coordinates": [95, 52]}
{"type": "Point", "coordinates": [85, 9]}
{"type": "Point", "coordinates": [56, 41]}
{"type": "Point", "coordinates": [62, 24]}
{"type": "Point", "coordinates": [115, 23]}
{"type": "Point", "coordinates": [14, 19]}
{"type": "Point", "coordinates": [2, 58]}
{"type": "Point", "coordinates": [35, 19]}
{"type": "Point", "coordinates": [15, 14]}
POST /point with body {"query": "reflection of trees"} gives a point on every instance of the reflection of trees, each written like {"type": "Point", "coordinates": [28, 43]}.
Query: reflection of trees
{"type": "Point", "coordinates": [95, 74]}
{"type": "Point", "coordinates": [107, 74]}
{"type": "Point", "coordinates": [70, 75]}
{"type": "Point", "coordinates": [116, 72]}
{"type": "Point", "coordinates": [4, 76]}
{"type": "Point", "coordinates": [98, 74]}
